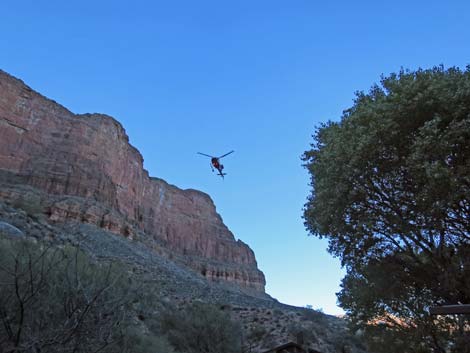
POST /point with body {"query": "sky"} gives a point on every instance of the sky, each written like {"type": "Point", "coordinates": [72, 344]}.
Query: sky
{"type": "Point", "coordinates": [252, 76]}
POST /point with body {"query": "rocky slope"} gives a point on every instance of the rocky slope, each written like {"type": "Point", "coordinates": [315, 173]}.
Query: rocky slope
{"type": "Point", "coordinates": [82, 168]}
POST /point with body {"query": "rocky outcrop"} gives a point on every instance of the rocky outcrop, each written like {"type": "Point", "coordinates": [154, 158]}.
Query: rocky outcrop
{"type": "Point", "coordinates": [87, 161]}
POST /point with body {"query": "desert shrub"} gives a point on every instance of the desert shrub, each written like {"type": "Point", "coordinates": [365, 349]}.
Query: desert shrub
{"type": "Point", "coordinates": [58, 300]}
{"type": "Point", "coordinates": [314, 316]}
{"type": "Point", "coordinates": [30, 203]}
{"type": "Point", "coordinates": [251, 338]}
{"type": "Point", "coordinates": [201, 328]}
{"type": "Point", "coordinates": [135, 341]}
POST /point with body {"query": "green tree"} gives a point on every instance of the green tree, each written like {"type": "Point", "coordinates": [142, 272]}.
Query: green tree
{"type": "Point", "coordinates": [391, 192]}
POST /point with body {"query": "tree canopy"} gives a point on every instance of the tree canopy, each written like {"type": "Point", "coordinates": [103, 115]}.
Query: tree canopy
{"type": "Point", "coordinates": [391, 192]}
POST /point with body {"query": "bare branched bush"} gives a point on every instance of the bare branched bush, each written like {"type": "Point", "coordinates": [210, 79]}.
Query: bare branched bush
{"type": "Point", "coordinates": [57, 300]}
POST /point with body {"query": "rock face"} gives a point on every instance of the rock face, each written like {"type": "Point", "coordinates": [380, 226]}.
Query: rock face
{"type": "Point", "coordinates": [96, 176]}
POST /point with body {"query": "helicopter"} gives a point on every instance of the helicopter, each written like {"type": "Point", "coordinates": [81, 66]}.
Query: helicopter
{"type": "Point", "coordinates": [215, 164]}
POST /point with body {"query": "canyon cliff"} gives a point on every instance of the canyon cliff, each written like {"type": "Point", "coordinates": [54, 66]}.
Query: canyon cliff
{"type": "Point", "coordinates": [83, 169]}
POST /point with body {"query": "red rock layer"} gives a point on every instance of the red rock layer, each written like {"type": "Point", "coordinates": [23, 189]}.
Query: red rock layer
{"type": "Point", "coordinates": [48, 147]}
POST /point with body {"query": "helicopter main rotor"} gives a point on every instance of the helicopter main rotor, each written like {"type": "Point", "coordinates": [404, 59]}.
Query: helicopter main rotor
{"type": "Point", "coordinates": [226, 154]}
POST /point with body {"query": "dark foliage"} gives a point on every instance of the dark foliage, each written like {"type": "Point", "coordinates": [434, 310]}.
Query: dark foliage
{"type": "Point", "coordinates": [202, 328]}
{"type": "Point", "coordinates": [391, 192]}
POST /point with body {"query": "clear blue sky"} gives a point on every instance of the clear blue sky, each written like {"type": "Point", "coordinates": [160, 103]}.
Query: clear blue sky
{"type": "Point", "coordinates": [211, 76]}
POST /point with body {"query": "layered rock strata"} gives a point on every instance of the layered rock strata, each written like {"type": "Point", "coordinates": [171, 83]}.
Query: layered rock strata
{"type": "Point", "coordinates": [87, 159]}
